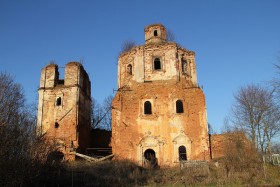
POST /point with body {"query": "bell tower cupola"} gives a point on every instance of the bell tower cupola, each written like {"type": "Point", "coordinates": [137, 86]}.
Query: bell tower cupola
{"type": "Point", "coordinates": [155, 33]}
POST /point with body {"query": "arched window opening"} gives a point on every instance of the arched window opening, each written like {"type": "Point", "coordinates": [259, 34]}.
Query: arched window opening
{"type": "Point", "coordinates": [157, 64]}
{"type": "Point", "coordinates": [56, 125]}
{"type": "Point", "coordinates": [58, 101]}
{"type": "Point", "coordinates": [182, 153]}
{"type": "Point", "coordinates": [129, 69]}
{"type": "Point", "coordinates": [150, 158]}
{"type": "Point", "coordinates": [147, 107]}
{"type": "Point", "coordinates": [184, 66]}
{"type": "Point", "coordinates": [149, 154]}
{"type": "Point", "coordinates": [155, 33]}
{"type": "Point", "coordinates": [179, 106]}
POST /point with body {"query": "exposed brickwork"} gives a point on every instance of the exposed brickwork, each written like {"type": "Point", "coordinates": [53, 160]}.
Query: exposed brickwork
{"type": "Point", "coordinates": [223, 144]}
{"type": "Point", "coordinates": [64, 108]}
{"type": "Point", "coordinates": [141, 79]}
{"type": "Point", "coordinates": [217, 145]}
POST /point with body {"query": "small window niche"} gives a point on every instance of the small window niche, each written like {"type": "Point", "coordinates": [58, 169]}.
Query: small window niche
{"type": "Point", "coordinates": [129, 69]}
{"type": "Point", "coordinates": [58, 101]}
{"type": "Point", "coordinates": [147, 108]}
{"type": "Point", "coordinates": [184, 66]}
{"type": "Point", "coordinates": [182, 153]}
{"type": "Point", "coordinates": [157, 64]}
{"type": "Point", "coordinates": [56, 125]}
{"type": "Point", "coordinates": [155, 33]}
{"type": "Point", "coordinates": [179, 107]}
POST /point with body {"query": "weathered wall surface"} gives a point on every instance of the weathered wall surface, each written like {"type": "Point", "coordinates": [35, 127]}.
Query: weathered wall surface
{"type": "Point", "coordinates": [217, 145]}
{"type": "Point", "coordinates": [163, 131]}
{"type": "Point", "coordinates": [131, 125]}
{"type": "Point", "coordinates": [64, 107]}
{"type": "Point", "coordinates": [228, 143]}
{"type": "Point", "coordinates": [141, 59]}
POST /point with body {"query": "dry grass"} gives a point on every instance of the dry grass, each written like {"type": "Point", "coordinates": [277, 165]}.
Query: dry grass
{"type": "Point", "coordinates": [125, 173]}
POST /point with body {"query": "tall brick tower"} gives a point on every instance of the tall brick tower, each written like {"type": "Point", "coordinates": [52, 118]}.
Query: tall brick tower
{"type": "Point", "coordinates": [159, 112]}
{"type": "Point", "coordinates": [64, 108]}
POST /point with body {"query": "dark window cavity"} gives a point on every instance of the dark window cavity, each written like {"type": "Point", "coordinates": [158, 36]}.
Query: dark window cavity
{"type": "Point", "coordinates": [149, 154]}
{"type": "Point", "coordinates": [155, 33]}
{"type": "Point", "coordinates": [157, 64]}
{"type": "Point", "coordinates": [179, 106]}
{"type": "Point", "coordinates": [129, 69]}
{"type": "Point", "coordinates": [58, 101]}
{"type": "Point", "coordinates": [56, 125]}
{"type": "Point", "coordinates": [147, 107]}
{"type": "Point", "coordinates": [182, 153]}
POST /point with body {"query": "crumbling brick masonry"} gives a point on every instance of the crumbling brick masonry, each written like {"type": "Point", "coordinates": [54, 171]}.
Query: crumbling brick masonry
{"type": "Point", "coordinates": [159, 112]}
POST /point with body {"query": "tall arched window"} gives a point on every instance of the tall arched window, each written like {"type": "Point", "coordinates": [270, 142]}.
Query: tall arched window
{"type": "Point", "coordinates": [147, 107]}
{"type": "Point", "coordinates": [157, 64]}
{"type": "Point", "coordinates": [182, 153]}
{"type": "Point", "coordinates": [179, 106]}
{"type": "Point", "coordinates": [155, 33]}
{"type": "Point", "coordinates": [58, 101]}
{"type": "Point", "coordinates": [129, 69]}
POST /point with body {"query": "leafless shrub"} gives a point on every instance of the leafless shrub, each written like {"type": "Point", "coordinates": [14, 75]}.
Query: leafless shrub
{"type": "Point", "coordinates": [127, 46]}
{"type": "Point", "coordinates": [170, 36]}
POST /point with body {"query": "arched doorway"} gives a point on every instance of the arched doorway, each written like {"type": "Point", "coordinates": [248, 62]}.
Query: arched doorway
{"type": "Point", "coordinates": [150, 158]}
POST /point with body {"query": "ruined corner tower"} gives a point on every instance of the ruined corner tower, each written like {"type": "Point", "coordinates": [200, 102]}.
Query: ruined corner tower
{"type": "Point", "coordinates": [159, 112]}
{"type": "Point", "coordinates": [64, 108]}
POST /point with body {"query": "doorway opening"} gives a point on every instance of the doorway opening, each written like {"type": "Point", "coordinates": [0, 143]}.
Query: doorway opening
{"type": "Point", "coordinates": [55, 156]}
{"type": "Point", "coordinates": [150, 158]}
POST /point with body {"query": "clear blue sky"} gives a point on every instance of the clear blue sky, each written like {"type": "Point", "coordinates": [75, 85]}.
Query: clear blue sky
{"type": "Point", "coordinates": [236, 41]}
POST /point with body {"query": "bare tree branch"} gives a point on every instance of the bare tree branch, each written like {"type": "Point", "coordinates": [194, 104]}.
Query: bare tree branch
{"type": "Point", "coordinates": [256, 113]}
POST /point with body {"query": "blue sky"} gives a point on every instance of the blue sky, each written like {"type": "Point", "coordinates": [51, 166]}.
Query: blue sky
{"type": "Point", "coordinates": [236, 41]}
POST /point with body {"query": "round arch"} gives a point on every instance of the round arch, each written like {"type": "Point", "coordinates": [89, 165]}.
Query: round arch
{"type": "Point", "coordinates": [150, 158]}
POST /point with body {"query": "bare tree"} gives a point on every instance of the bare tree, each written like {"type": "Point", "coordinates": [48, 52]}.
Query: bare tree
{"type": "Point", "coordinates": [96, 113]}
{"type": "Point", "coordinates": [276, 83]}
{"type": "Point", "coordinates": [102, 114]}
{"type": "Point", "coordinates": [22, 152]}
{"type": "Point", "coordinates": [11, 100]}
{"type": "Point", "coordinates": [255, 113]}
{"type": "Point", "coordinates": [107, 105]}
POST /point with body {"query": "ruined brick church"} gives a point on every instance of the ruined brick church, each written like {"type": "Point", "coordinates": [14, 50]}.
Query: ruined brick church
{"type": "Point", "coordinates": [158, 112]}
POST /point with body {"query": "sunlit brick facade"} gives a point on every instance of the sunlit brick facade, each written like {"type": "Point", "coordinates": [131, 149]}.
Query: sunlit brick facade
{"type": "Point", "coordinates": [159, 111]}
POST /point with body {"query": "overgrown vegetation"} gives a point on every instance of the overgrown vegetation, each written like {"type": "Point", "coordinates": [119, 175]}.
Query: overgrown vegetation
{"type": "Point", "coordinates": [22, 152]}
{"type": "Point", "coordinates": [127, 45]}
{"type": "Point", "coordinates": [241, 166]}
{"type": "Point", "coordinates": [126, 173]}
